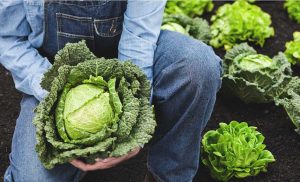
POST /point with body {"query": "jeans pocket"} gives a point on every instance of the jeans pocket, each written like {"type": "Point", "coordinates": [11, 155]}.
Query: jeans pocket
{"type": "Point", "coordinates": [108, 27]}
{"type": "Point", "coordinates": [73, 29]}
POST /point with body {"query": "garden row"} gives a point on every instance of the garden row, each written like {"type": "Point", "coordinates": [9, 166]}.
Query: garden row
{"type": "Point", "coordinates": [236, 149]}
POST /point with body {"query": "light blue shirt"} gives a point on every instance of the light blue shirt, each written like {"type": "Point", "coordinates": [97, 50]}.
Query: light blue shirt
{"type": "Point", "coordinates": [22, 32]}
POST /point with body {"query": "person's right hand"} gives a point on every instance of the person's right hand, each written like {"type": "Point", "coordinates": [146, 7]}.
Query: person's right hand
{"type": "Point", "coordinates": [104, 163]}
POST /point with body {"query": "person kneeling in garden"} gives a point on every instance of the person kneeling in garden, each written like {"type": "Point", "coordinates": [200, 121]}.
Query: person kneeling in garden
{"type": "Point", "coordinates": [184, 74]}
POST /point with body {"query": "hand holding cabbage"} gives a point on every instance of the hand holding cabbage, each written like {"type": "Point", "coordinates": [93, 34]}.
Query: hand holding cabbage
{"type": "Point", "coordinates": [96, 108]}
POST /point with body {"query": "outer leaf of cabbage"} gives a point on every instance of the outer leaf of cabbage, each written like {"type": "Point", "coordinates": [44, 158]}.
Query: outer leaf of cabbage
{"type": "Point", "coordinates": [70, 71]}
{"type": "Point", "coordinates": [240, 22]}
{"type": "Point", "coordinates": [235, 150]}
{"type": "Point", "coordinates": [290, 100]}
{"type": "Point", "coordinates": [254, 78]}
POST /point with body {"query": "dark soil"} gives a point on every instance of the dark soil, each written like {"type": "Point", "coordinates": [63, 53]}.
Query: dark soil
{"type": "Point", "coordinates": [272, 121]}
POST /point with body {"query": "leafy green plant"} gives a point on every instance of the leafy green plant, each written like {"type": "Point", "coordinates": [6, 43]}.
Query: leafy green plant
{"type": "Point", "coordinates": [253, 77]}
{"type": "Point", "coordinates": [96, 107]}
{"type": "Point", "coordinates": [292, 51]}
{"type": "Point", "coordinates": [290, 100]}
{"type": "Point", "coordinates": [235, 150]}
{"type": "Point", "coordinates": [256, 78]}
{"type": "Point", "coordinates": [197, 28]}
{"type": "Point", "coordinates": [189, 8]}
{"type": "Point", "coordinates": [293, 8]}
{"type": "Point", "coordinates": [240, 22]}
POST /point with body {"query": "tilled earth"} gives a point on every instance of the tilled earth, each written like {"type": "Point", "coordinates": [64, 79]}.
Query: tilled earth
{"type": "Point", "coordinates": [271, 120]}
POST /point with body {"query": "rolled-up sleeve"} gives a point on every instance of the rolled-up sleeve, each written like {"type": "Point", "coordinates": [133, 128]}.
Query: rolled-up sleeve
{"type": "Point", "coordinates": [141, 28]}
{"type": "Point", "coordinates": [17, 54]}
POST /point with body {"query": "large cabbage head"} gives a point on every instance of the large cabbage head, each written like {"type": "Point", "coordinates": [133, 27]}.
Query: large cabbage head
{"type": "Point", "coordinates": [253, 77]}
{"type": "Point", "coordinates": [87, 108]}
{"type": "Point", "coordinates": [235, 150]}
{"type": "Point", "coordinates": [96, 107]}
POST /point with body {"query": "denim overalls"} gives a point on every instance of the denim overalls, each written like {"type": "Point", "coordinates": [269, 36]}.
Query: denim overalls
{"type": "Point", "coordinates": [186, 78]}
{"type": "Point", "coordinates": [98, 22]}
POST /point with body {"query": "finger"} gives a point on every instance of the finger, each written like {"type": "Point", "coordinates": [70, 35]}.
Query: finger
{"type": "Point", "coordinates": [98, 165]}
{"type": "Point", "coordinates": [136, 151]}
{"type": "Point", "coordinates": [79, 164]}
{"type": "Point", "coordinates": [104, 163]}
{"type": "Point", "coordinates": [122, 158]}
{"type": "Point", "coordinates": [99, 160]}
{"type": "Point", "coordinates": [110, 159]}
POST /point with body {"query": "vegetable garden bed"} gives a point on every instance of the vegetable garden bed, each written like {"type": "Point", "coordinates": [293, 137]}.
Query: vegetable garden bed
{"type": "Point", "coordinates": [271, 121]}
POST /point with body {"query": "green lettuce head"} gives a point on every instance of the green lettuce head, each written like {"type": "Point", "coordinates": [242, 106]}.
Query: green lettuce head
{"type": "Point", "coordinates": [235, 150]}
{"type": "Point", "coordinates": [292, 51]}
{"type": "Point", "coordinates": [293, 9]}
{"type": "Point", "coordinates": [191, 8]}
{"type": "Point", "coordinates": [240, 22]}
{"type": "Point", "coordinates": [96, 107]}
{"type": "Point", "coordinates": [253, 77]}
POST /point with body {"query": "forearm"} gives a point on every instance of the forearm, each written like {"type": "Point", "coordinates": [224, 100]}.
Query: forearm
{"type": "Point", "coordinates": [17, 53]}
{"type": "Point", "coordinates": [26, 65]}
{"type": "Point", "coordinates": [141, 28]}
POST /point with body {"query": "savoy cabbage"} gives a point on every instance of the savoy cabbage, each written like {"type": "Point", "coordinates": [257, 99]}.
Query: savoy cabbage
{"type": "Point", "coordinates": [96, 107]}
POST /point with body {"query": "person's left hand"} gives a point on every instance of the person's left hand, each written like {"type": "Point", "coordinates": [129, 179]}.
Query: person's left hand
{"type": "Point", "coordinates": [104, 163]}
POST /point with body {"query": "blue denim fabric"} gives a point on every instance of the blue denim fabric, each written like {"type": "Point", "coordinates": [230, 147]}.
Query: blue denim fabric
{"type": "Point", "coordinates": [186, 79]}
{"type": "Point", "coordinates": [22, 33]}
{"type": "Point", "coordinates": [97, 22]}
{"type": "Point", "coordinates": [24, 162]}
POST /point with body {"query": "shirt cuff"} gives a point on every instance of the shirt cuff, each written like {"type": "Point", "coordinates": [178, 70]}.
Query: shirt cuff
{"type": "Point", "coordinates": [38, 92]}
{"type": "Point", "coordinates": [137, 50]}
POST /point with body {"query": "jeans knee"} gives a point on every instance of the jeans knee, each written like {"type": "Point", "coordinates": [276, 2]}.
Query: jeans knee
{"type": "Point", "coordinates": [205, 67]}
{"type": "Point", "coordinates": [184, 60]}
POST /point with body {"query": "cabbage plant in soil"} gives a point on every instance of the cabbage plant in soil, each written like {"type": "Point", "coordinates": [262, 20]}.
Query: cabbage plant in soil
{"type": "Point", "coordinates": [253, 77]}
{"type": "Point", "coordinates": [96, 107]}
{"type": "Point", "coordinates": [197, 28]}
{"type": "Point", "coordinates": [256, 78]}
{"type": "Point", "coordinates": [235, 150]}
